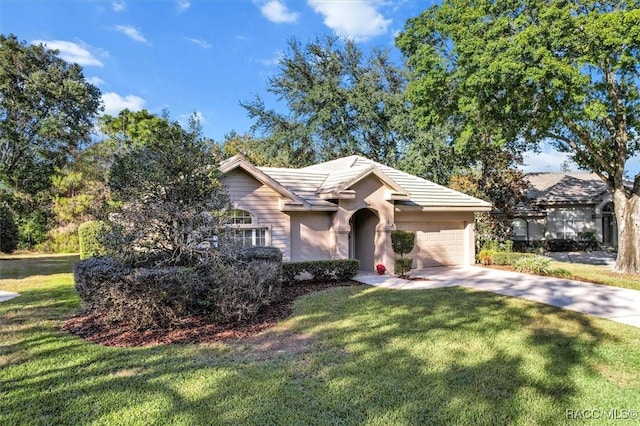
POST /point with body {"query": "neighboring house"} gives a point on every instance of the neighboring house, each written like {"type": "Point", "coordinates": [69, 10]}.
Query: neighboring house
{"type": "Point", "coordinates": [567, 206]}
{"type": "Point", "coordinates": [347, 208]}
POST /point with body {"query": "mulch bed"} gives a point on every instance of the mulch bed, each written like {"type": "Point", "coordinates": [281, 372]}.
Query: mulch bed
{"type": "Point", "coordinates": [196, 329]}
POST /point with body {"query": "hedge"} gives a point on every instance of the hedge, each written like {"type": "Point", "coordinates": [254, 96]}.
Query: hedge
{"type": "Point", "coordinates": [508, 258]}
{"type": "Point", "coordinates": [268, 253]}
{"type": "Point", "coordinates": [92, 235]}
{"type": "Point", "coordinates": [316, 271]}
{"type": "Point", "coordinates": [161, 297]}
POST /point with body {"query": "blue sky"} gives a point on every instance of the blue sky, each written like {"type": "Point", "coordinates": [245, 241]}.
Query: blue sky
{"type": "Point", "coordinates": [202, 56]}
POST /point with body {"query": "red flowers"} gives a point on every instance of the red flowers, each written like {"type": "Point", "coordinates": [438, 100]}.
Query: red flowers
{"type": "Point", "coordinates": [380, 269]}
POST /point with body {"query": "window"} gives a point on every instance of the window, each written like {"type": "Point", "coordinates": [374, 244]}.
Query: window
{"type": "Point", "coordinates": [252, 236]}
{"type": "Point", "coordinates": [246, 231]}
{"type": "Point", "coordinates": [239, 217]}
{"type": "Point", "coordinates": [571, 223]}
{"type": "Point", "coordinates": [519, 227]}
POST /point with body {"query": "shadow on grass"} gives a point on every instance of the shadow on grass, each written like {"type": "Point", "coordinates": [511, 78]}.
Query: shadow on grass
{"type": "Point", "coordinates": [386, 357]}
{"type": "Point", "coordinates": [19, 268]}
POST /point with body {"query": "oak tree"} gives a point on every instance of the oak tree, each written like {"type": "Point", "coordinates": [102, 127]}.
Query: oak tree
{"type": "Point", "coordinates": [338, 102]}
{"type": "Point", "coordinates": [530, 71]}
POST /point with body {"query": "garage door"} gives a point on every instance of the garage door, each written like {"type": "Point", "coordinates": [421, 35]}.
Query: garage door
{"type": "Point", "coordinates": [437, 244]}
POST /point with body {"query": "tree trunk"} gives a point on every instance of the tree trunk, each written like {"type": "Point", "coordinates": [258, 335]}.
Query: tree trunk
{"type": "Point", "coordinates": [628, 219]}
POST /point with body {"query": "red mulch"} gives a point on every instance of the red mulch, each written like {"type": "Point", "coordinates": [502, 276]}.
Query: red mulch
{"type": "Point", "coordinates": [196, 329]}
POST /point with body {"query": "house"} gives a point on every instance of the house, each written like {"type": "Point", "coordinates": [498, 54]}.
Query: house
{"type": "Point", "coordinates": [347, 208]}
{"type": "Point", "coordinates": [567, 206]}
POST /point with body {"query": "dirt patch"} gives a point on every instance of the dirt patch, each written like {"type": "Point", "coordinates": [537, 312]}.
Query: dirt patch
{"type": "Point", "coordinates": [201, 329]}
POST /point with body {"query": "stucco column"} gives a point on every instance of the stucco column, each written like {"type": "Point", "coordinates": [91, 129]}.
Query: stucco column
{"type": "Point", "coordinates": [340, 236]}
{"type": "Point", "coordinates": [384, 249]}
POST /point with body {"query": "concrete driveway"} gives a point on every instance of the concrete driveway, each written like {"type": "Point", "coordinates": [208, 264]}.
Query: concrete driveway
{"type": "Point", "coordinates": [5, 295]}
{"type": "Point", "coordinates": [617, 304]}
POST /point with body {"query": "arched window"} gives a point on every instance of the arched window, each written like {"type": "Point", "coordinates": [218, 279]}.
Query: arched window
{"type": "Point", "coordinates": [519, 228]}
{"type": "Point", "coordinates": [239, 217]}
{"type": "Point", "coordinates": [246, 231]}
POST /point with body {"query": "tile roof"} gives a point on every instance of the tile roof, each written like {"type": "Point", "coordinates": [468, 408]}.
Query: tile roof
{"type": "Point", "coordinates": [309, 183]}
{"type": "Point", "coordinates": [573, 187]}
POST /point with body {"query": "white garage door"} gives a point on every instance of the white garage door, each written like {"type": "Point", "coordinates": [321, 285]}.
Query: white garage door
{"type": "Point", "coordinates": [437, 244]}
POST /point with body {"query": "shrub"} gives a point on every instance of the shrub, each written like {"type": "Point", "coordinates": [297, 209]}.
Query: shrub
{"type": "Point", "coordinates": [562, 245]}
{"type": "Point", "coordinates": [533, 265]}
{"type": "Point", "coordinates": [403, 266]}
{"type": "Point", "coordinates": [243, 288]}
{"type": "Point", "coordinates": [402, 242]}
{"type": "Point", "coordinates": [271, 254]}
{"type": "Point", "coordinates": [161, 297]}
{"type": "Point", "coordinates": [560, 273]}
{"type": "Point", "coordinates": [92, 237]}
{"type": "Point", "coordinates": [61, 240]}
{"type": "Point", "coordinates": [493, 245]}
{"type": "Point", "coordinates": [94, 279]}
{"type": "Point", "coordinates": [9, 235]}
{"type": "Point", "coordinates": [508, 258]}
{"type": "Point", "coordinates": [485, 256]}
{"type": "Point", "coordinates": [144, 297]}
{"type": "Point", "coordinates": [320, 270]}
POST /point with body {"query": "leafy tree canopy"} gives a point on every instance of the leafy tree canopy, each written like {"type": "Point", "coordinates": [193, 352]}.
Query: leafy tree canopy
{"type": "Point", "coordinates": [522, 72]}
{"type": "Point", "coordinates": [168, 187]}
{"type": "Point", "coordinates": [339, 103]}
{"type": "Point", "coordinates": [47, 110]}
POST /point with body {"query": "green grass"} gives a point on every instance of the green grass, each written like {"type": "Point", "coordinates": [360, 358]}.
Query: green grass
{"type": "Point", "coordinates": [599, 274]}
{"type": "Point", "coordinates": [372, 356]}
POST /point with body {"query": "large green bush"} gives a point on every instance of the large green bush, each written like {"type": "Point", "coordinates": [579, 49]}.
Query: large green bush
{"type": "Point", "coordinates": [319, 271]}
{"type": "Point", "coordinates": [92, 237]}
{"type": "Point", "coordinates": [144, 297]}
{"type": "Point", "coordinates": [227, 290]}
{"type": "Point", "coordinates": [9, 235]}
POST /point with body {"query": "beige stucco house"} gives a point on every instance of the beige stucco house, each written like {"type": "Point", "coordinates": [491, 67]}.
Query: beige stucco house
{"type": "Point", "coordinates": [566, 205]}
{"type": "Point", "coordinates": [347, 208]}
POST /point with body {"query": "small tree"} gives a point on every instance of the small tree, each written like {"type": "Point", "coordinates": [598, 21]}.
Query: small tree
{"type": "Point", "coordinates": [402, 243]}
{"type": "Point", "coordinates": [169, 189]}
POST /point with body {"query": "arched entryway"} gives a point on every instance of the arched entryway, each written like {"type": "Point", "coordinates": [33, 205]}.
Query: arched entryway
{"type": "Point", "coordinates": [362, 238]}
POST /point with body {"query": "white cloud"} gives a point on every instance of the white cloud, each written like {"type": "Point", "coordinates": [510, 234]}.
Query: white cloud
{"type": "Point", "coordinates": [114, 103]}
{"type": "Point", "coordinates": [131, 32]}
{"type": "Point", "coordinates": [202, 43]}
{"type": "Point", "coordinates": [275, 60]}
{"type": "Point", "coordinates": [357, 19]}
{"type": "Point", "coordinates": [276, 11]}
{"type": "Point", "coordinates": [118, 6]}
{"type": "Point", "coordinates": [96, 81]}
{"type": "Point", "coordinates": [72, 52]}
{"type": "Point", "coordinates": [183, 4]}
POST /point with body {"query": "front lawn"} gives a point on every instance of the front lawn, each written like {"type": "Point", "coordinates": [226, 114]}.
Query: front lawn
{"type": "Point", "coordinates": [354, 355]}
{"type": "Point", "coordinates": [599, 274]}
